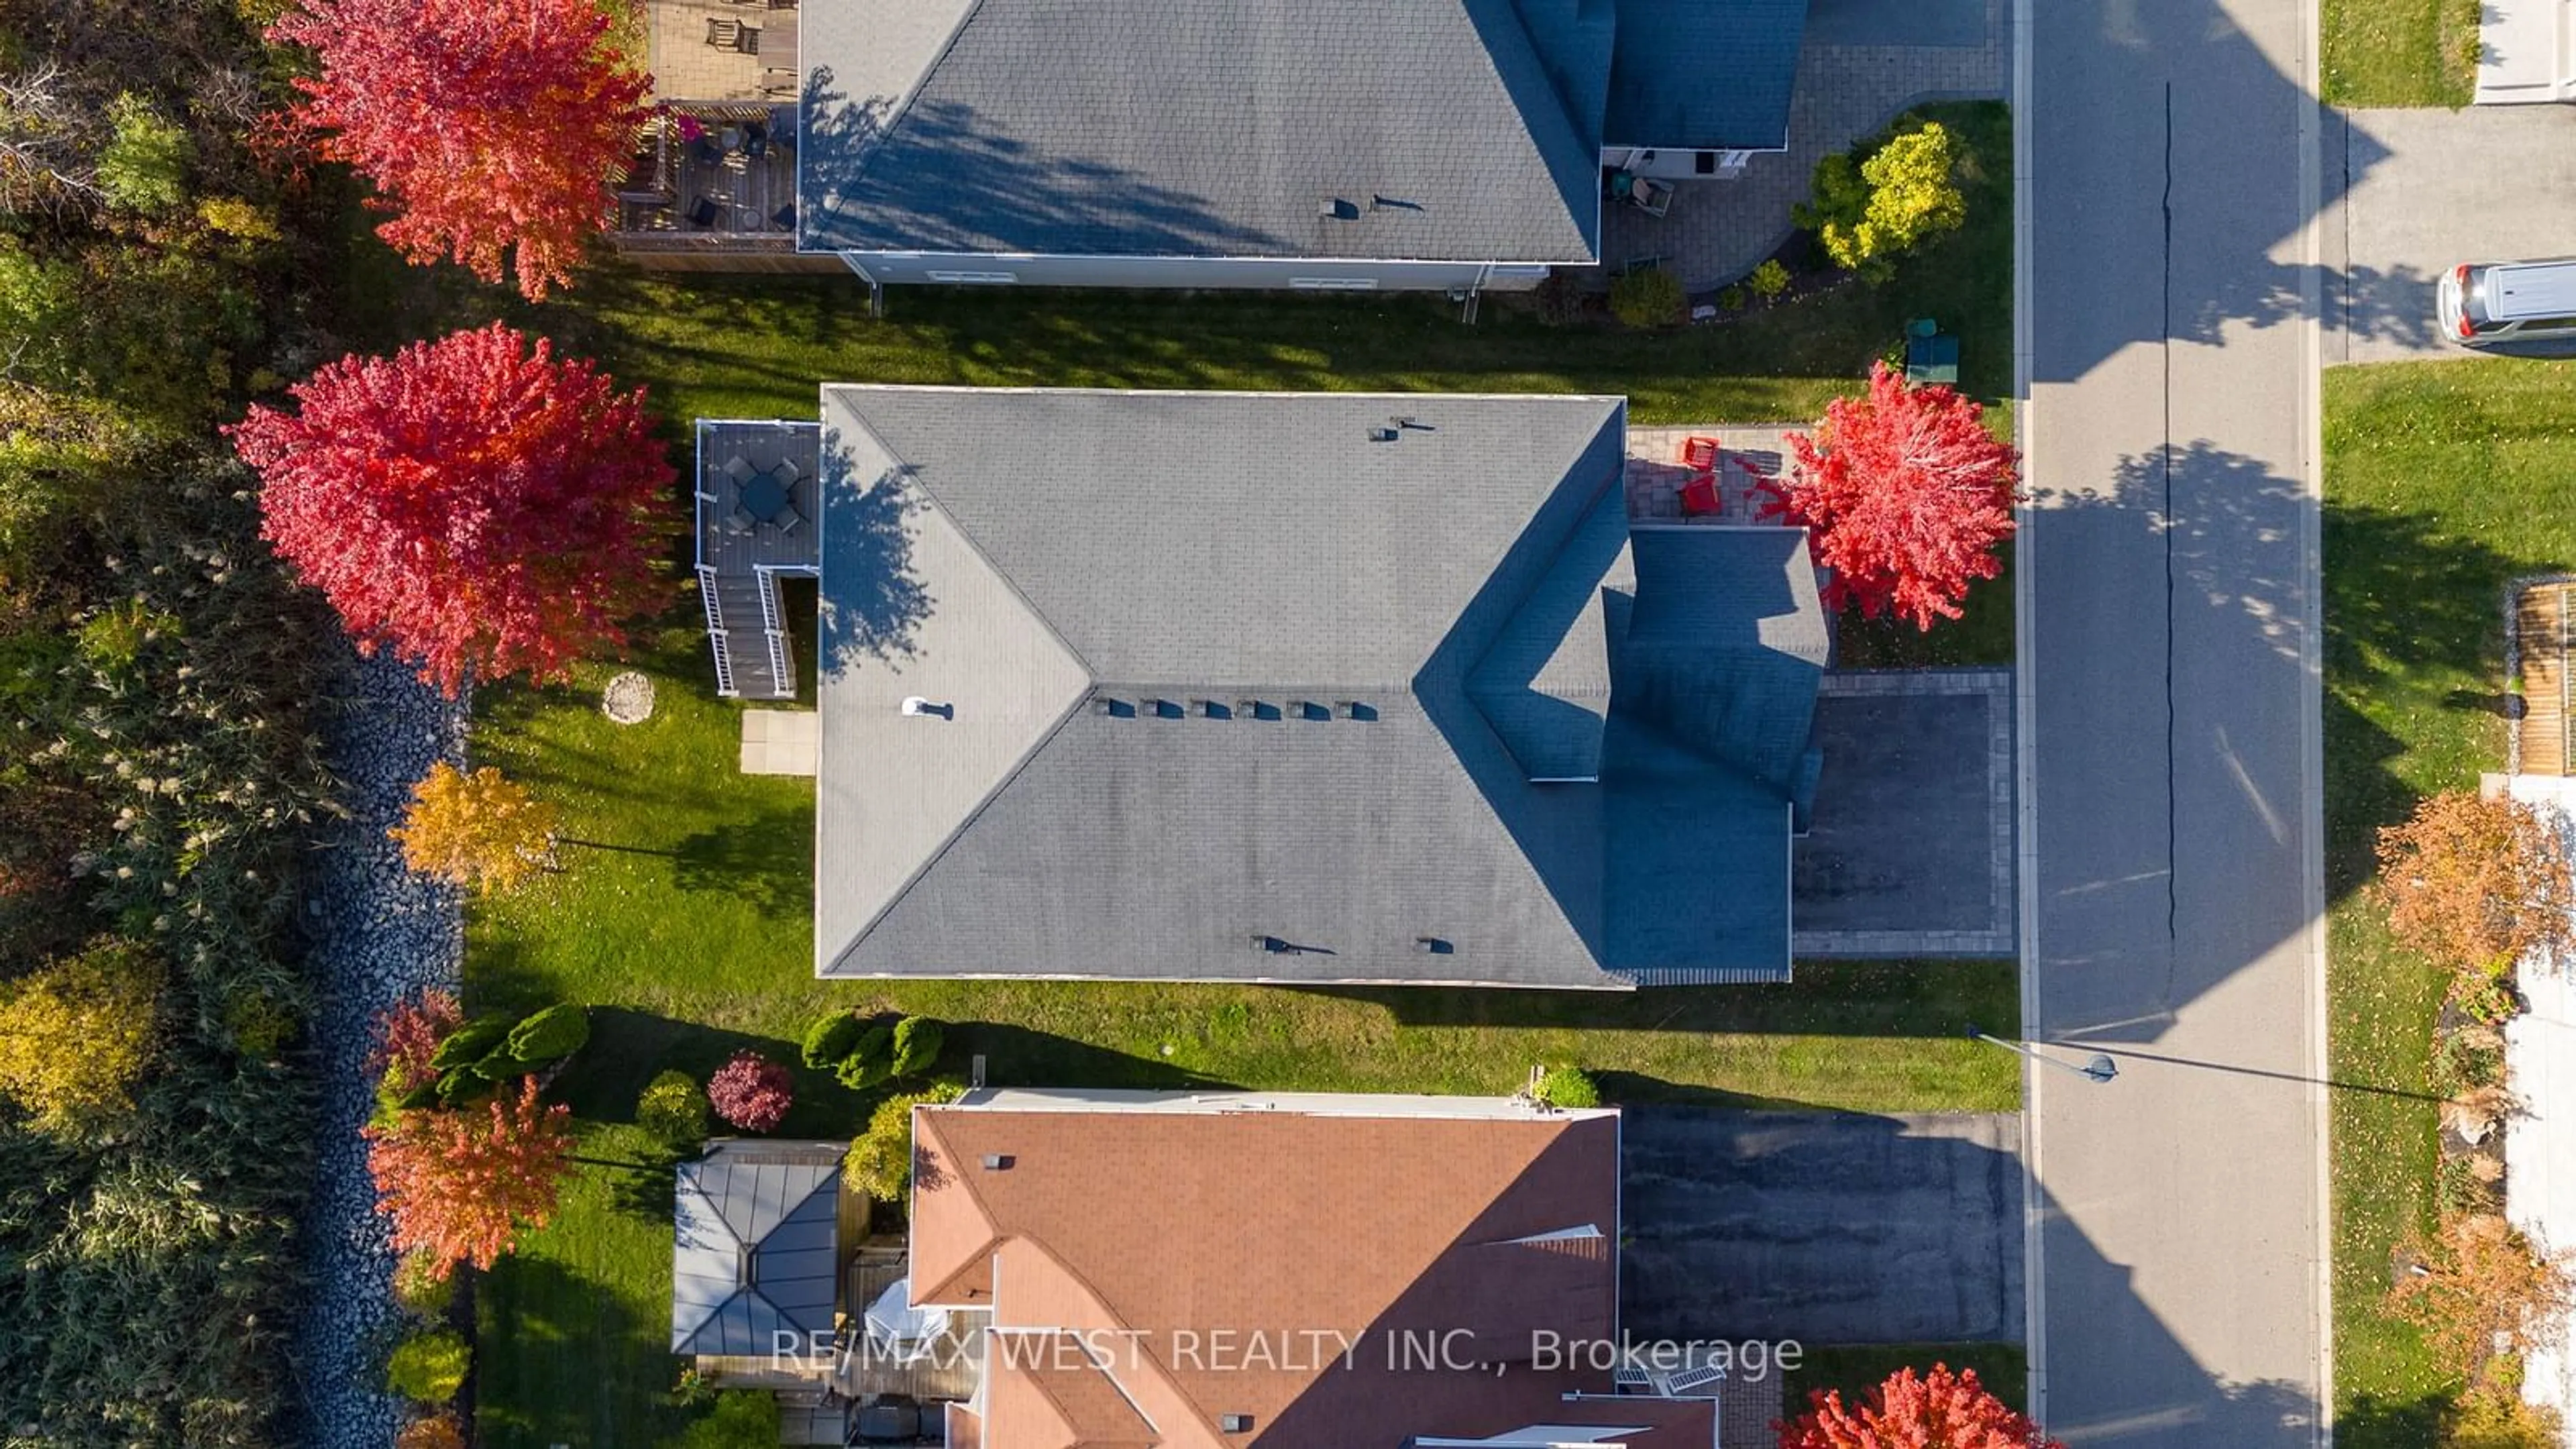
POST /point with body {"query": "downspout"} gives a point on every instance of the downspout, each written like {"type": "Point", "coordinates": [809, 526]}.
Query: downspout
{"type": "Point", "coordinates": [876, 289]}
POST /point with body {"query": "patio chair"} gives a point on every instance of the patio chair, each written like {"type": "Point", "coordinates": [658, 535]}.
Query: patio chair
{"type": "Point", "coordinates": [786, 472]}
{"type": "Point", "coordinates": [706, 213]}
{"type": "Point", "coordinates": [788, 519]}
{"type": "Point", "coordinates": [1700, 497]}
{"type": "Point", "coordinates": [724, 34]}
{"type": "Point", "coordinates": [739, 469]}
{"type": "Point", "coordinates": [738, 522]}
{"type": "Point", "coordinates": [1699, 454]}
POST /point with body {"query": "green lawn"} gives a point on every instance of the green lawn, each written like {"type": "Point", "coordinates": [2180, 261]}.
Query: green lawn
{"type": "Point", "coordinates": [2002, 1367]}
{"type": "Point", "coordinates": [683, 911]}
{"type": "Point", "coordinates": [2443, 481]}
{"type": "Point", "coordinates": [2398, 52]}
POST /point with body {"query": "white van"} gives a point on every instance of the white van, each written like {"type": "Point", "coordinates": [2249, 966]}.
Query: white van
{"type": "Point", "coordinates": [2483, 304]}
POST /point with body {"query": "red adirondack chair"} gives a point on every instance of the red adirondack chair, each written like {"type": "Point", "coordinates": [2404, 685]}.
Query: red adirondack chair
{"type": "Point", "coordinates": [1699, 454]}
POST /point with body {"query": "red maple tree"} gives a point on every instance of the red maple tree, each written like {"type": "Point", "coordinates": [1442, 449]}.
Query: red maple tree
{"type": "Point", "coordinates": [1943, 1410]}
{"type": "Point", "coordinates": [1907, 496]}
{"type": "Point", "coordinates": [408, 1034]}
{"type": "Point", "coordinates": [751, 1091]}
{"type": "Point", "coordinates": [460, 1184]}
{"type": "Point", "coordinates": [470, 503]}
{"type": "Point", "coordinates": [484, 127]}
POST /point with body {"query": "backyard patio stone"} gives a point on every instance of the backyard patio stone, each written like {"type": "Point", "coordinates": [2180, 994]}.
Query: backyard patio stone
{"type": "Point", "coordinates": [779, 741]}
{"type": "Point", "coordinates": [1864, 63]}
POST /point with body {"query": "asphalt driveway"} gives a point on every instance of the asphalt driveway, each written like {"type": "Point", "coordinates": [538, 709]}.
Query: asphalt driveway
{"type": "Point", "coordinates": [1824, 1227]}
{"type": "Point", "coordinates": [2430, 189]}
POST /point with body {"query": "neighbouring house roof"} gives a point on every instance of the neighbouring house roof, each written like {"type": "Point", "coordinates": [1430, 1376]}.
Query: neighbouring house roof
{"type": "Point", "coordinates": [756, 1246]}
{"type": "Point", "coordinates": [1098, 1228]}
{"type": "Point", "coordinates": [1199, 128]}
{"type": "Point", "coordinates": [1459, 594]}
{"type": "Point", "coordinates": [1704, 74]}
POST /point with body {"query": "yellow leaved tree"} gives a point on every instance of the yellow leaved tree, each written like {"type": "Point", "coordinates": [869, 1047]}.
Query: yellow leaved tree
{"type": "Point", "coordinates": [479, 830]}
{"type": "Point", "coordinates": [1868, 209]}
{"type": "Point", "coordinates": [75, 1035]}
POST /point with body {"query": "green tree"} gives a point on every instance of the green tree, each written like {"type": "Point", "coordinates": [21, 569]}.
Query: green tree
{"type": "Point", "coordinates": [429, 1368]}
{"type": "Point", "coordinates": [145, 165]}
{"type": "Point", "coordinates": [880, 1162]}
{"type": "Point", "coordinates": [1881, 199]}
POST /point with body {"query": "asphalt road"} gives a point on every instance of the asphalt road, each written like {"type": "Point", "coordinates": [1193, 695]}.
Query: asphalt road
{"type": "Point", "coordinates": [2173, 886]}
{"type": "Point", "coordinates": [2431, 189]}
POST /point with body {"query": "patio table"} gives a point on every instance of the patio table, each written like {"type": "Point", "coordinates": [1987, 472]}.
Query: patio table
{"type": "Point", "coordinates": [764, 497]}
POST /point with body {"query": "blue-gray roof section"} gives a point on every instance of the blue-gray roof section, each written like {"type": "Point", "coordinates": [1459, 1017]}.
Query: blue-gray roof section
{"type": "Point", "coordinates": [1358, 129]}
{"type": "Point", "coordinates": [1244, 686]}
{"type": "Point", "coordinates": [755, 1246]}
{"type": "Point", "coordinates": [1704, 74]}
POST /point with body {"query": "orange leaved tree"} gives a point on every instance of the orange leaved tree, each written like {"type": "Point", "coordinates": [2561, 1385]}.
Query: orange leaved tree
{"type": "Point", "coordinates": [480, 830]}
{"type": "Point", "coordinates": [2480, 1288]}
{"type": "Point", "coordinates": [2475, 882]}
{"type": "Point", "coordinates": [460, 1184]}
{"type": "Point", "coordinates": [487, 129]}
{"type": "Point", "coordinates": [1941, 1410]}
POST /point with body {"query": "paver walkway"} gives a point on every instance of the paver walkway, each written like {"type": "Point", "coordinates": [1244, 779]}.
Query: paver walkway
{"type": "Point", "coordinates": [1850, 83]}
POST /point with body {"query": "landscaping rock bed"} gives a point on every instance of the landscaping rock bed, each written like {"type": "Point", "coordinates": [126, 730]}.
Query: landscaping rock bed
{"type": "Point", "coordinates": [378, 935]}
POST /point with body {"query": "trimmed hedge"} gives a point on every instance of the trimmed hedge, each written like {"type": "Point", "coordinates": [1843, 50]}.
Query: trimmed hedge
{"type": "Point", "coordinates": [917, 1040]}
{"type": "Point", "coordinates": [549, 1036]}
{"type": "Point", "coordinates": [472, 1042]}
{"type": "Point", "coordinates": [831, 1039]}
{"type": "Point", "coordinates": [673, 1108]}
{"type": "Point", "coordinates": [1567, 1087]}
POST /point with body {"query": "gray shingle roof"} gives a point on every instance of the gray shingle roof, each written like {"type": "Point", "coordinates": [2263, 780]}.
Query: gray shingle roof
{"type": "Point", "coordinates": [1194, 128]}
{"type": "Point", "coordinates": [1127, 604]}
{"type": "Point", "coordinates": [756, 1246]}
{"type": "Point", "coordinates": [1709, 74]}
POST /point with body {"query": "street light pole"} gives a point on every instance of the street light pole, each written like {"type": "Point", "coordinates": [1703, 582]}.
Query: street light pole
{"type": "Point", "coordinates": [2100, 1069]}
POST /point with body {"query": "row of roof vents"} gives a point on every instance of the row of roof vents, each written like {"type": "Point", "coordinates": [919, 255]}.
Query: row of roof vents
{"type": "Point", "coordinates": [1260, 709]}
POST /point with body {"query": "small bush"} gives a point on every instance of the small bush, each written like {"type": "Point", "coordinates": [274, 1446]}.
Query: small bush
{"type": "Point", "coordinates": [2462, 1064]}
{"type": "Point", "coordinates": [2460, 1188]}
{"type": "Point", "coordinates": [1559, 299]}
{"type": "Point", "coordinates": [831, 1039]}
{"type": "Point", "coordinates": [917, 1040]}
{"type": "Point", "coordinates": [673, 1109]}
{"type": "Point", "coordinates": [471, 1042]}
{"type": "Point", "coordinates": [862, 1073]}
{"type": "Point", "coordinates": [1769, 279]}
{"type": "Point", "coordinates": [751, 1092]}
{"type": "Point", "coordinates": [2483, 994]}
{"type": "Point", "coordinates": [438, 1431]}
{"type": "Point", "coordinates": [1567, 1087]}
{"type": "Point", "coordinates": [550, 1035]}
{"type": "Point", "coordinates": [428, 1368]}
{"type": "Point", "coordinates": [77, 1035]}
{"type": "Point", "coordinates": [1732, 299]}
{"type": "Point", "coordinates": [423, 1287]}
{"type": "Point", "coordinates": [741, 1419]}
{"type": "Point", "coordinates": [1650, 297]}
{"type": "Point", "coordinates": [880, 1162]}
{"type": "Point", "coordinates": [2494, 1416]}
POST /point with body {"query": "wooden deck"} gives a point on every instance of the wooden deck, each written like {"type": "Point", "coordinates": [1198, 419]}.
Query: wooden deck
{"type": "Point", "coordinates": [713, 190]}
{"type": "Point", "coordinates": [951, 1369]}
{"type": "Point", "coordinates": [722, 50]}
{"type": "Point", "coordinates": [2544, 622]}
{"type": "Point", "coordinates": [739, 558]}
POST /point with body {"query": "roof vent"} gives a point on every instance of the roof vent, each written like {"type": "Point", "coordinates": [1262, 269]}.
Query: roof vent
{"type": "Point", "coordinates": [997, 1162]}
{"type": "Point", "coordinates": [1256, 709]}
{"type": "Point", "coordinates": [914, 705]}
{"type": "Point", "coordinates": [1168, 709]}
{"type": "Point", "coordinates": [1353, 709]}
{"type": "Point", "coordinates": [1114, 708]}
{"type": "Point", "coordinates": [1235, 1423]}
{"type": "Point", "coordinates": [1434, 946]}
{"type": "Point", "coordinates": [1309, 709]}
{"type": "Point", "coordinates": [1211, 709]}
{"type": "Point", "coordinates": [1384, 435]}
{"type": "Point", "coordinates": [1337, 209]}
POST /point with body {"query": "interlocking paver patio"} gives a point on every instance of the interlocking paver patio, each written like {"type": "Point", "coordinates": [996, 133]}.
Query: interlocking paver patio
{"type": "Point", "coordinates": [1719, 230]}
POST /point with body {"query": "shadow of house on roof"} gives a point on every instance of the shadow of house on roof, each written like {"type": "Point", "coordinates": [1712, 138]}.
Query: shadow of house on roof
{"type": "Point", "coordinates": [1260, 143]}
{"type": "Point", "coordinates": [1260, 687]}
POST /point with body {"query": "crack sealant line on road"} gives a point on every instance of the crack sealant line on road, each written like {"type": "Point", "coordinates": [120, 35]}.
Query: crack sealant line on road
{"type": "Point", "coordinates": [2164, 359]}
